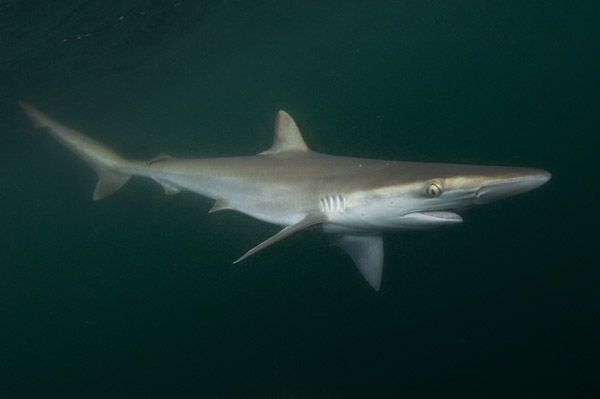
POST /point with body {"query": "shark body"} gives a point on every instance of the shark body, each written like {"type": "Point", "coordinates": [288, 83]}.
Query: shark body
{"type": "Point", "coordinates": [289, 185]}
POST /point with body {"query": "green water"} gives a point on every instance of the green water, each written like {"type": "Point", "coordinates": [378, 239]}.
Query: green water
{"type": "Point", "coordinates": [136, 295]}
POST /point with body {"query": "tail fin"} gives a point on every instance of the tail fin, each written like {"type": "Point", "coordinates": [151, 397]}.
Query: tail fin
{"type": "Point", "coordinates": [108, 183]}
{"type": "Point", "coordinates": [107, 163]}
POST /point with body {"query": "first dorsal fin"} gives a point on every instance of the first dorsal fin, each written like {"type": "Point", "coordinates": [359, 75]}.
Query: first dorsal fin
{"type": "Point", "coordinates": [287, 136]}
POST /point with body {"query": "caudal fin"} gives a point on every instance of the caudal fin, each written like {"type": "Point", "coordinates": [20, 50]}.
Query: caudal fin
{"type": "Point", "coordinates": [107, 163]}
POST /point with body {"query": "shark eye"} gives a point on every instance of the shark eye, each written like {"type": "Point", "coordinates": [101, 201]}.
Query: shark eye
{"type": "Point", "coordinates": [433, 189]}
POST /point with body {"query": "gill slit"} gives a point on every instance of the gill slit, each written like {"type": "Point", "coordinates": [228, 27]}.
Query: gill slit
{"type": "Point", "coordinates": [333, 203]}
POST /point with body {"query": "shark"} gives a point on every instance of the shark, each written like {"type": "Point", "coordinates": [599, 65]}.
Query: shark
{"type": "Point", "coordinates": [355, 200]}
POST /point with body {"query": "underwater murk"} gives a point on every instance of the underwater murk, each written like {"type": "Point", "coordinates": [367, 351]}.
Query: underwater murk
{"type": "Point", "coordinates": [138, 295]}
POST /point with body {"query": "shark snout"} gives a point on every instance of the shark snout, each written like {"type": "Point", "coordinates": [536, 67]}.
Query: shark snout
{"type": "Point", "coordinates": [525, 180]}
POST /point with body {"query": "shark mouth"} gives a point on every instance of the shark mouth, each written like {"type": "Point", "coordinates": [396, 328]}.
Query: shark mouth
{"type": "Point", "coordinates": [442, 215]}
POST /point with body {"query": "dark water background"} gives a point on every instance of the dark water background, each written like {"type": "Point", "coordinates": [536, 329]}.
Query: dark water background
{"type": "Point", "coordinates": [136, 296]}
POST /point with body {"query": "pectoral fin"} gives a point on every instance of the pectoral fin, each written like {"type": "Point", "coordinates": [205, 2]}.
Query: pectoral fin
{"type": "Point", "coordinates": [367, 254]}
{"type": "Point", "coordinates": [304, 223]}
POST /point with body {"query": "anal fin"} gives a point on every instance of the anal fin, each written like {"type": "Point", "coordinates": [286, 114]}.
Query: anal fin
{"type": "Point", "coordinates": [289, 230]}
{"type": "Point", "coordinates": [169, 188]}
{"type": "Point", "coordinates": [367, 253]}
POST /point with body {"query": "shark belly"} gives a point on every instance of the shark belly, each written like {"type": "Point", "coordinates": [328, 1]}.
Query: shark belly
{"type": "Point", "coordinates": [263, 198]}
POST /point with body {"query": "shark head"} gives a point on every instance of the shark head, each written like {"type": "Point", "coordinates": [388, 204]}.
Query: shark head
{"type": "Point", "coordinates": [428, 195]}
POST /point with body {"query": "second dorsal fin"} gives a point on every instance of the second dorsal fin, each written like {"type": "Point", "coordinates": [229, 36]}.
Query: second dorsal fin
{"type": "Point", "coordinates": [287, 136]}
{"type": "Point", "coordinates": [160, 157]}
